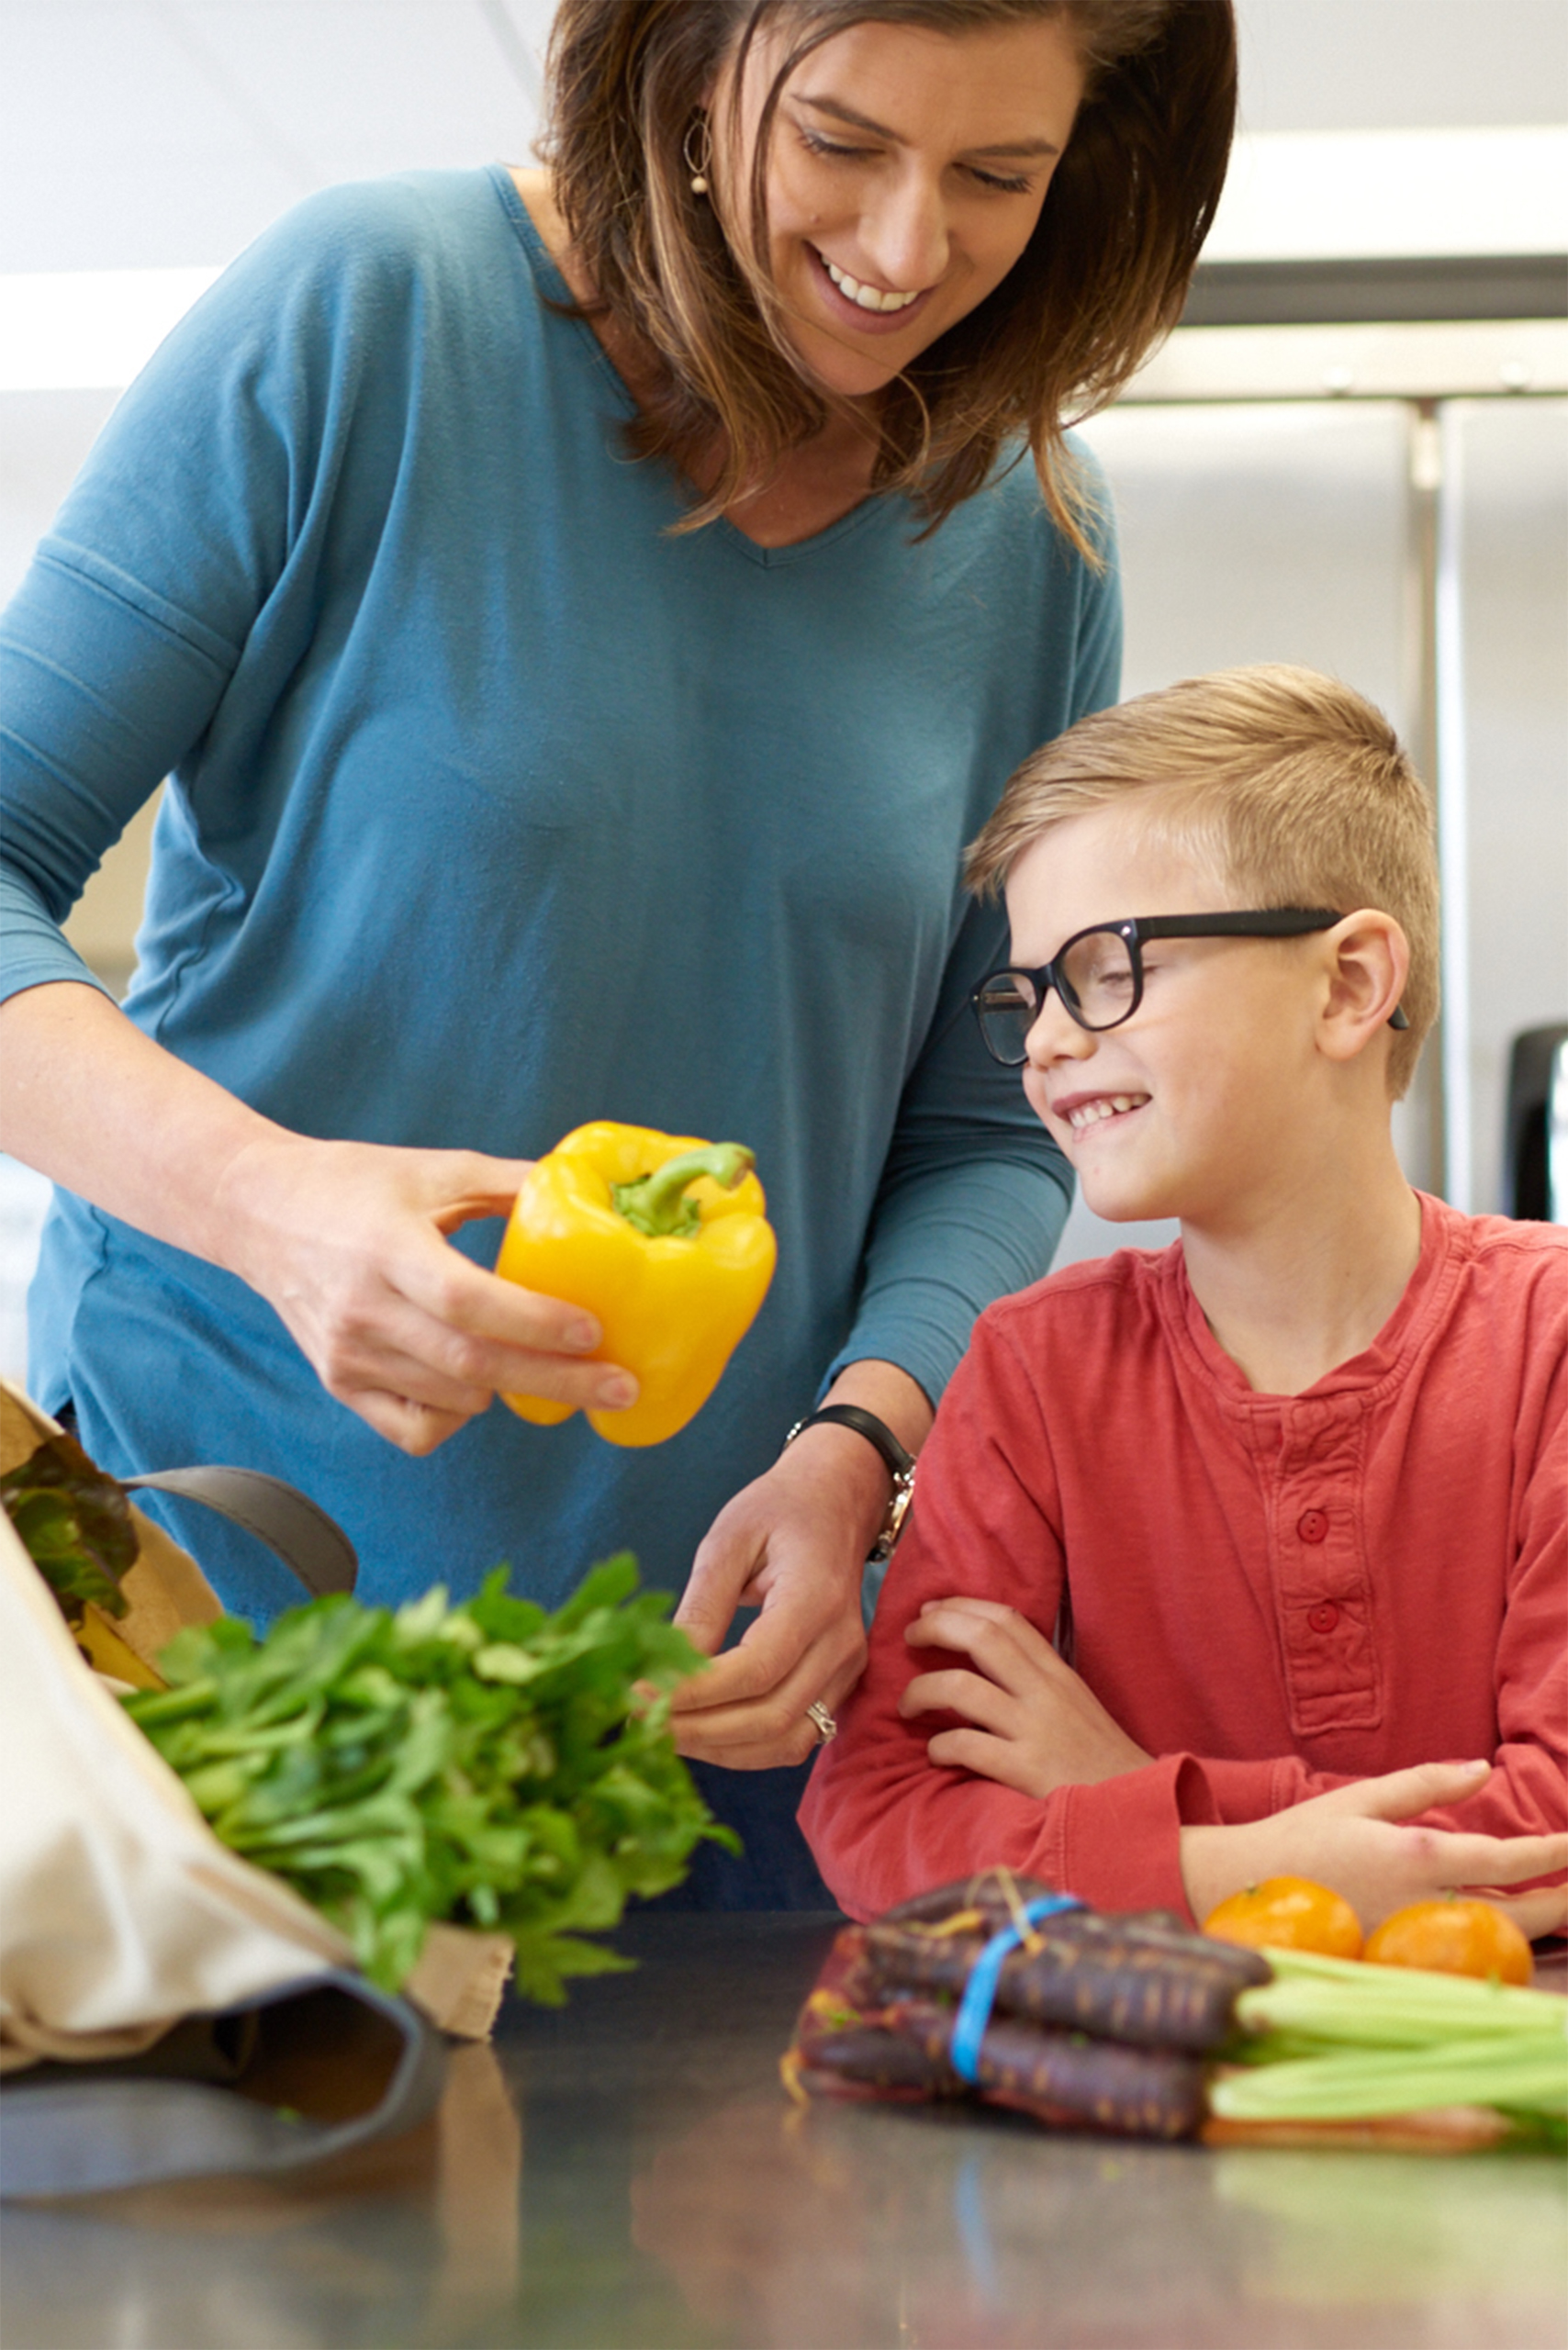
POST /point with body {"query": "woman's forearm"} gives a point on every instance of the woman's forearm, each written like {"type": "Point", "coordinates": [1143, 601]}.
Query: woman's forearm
{"type": "Point", "coordinates": [891, 1393]}
{"type": "Point", "coordinates": [99, 1107]}
{"type": "Point", "coordinates": [348, 1242]}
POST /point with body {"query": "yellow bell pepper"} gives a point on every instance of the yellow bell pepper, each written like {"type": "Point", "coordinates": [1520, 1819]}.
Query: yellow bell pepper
{"type": "Point", "coordinates": [665, 1239]}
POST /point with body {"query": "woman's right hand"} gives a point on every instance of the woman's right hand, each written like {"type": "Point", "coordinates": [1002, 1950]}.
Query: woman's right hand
{"type": "Point", "coordinates": [345, 1240]}
{"type": "Point", "coordinates": [347, 1243]}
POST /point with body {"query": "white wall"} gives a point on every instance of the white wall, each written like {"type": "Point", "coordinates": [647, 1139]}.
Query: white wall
{"type": "Point", "coordinates": [141, 134]}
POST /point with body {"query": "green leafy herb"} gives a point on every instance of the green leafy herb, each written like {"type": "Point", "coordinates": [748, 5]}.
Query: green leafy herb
{"type": "Point", "coordinates": [74, 1524]}
{"type": "Point", "coordinates": [487, 1763]}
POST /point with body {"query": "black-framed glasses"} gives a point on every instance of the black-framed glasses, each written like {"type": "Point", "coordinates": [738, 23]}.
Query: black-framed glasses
{"type": "Point", "coordinates": [1099, 973]}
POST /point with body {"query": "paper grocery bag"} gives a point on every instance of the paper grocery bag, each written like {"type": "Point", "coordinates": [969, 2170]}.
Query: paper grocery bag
{"type": "Point", "coordinates": [166, 1589]}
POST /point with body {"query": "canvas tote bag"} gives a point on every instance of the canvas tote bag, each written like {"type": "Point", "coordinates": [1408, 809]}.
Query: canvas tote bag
{"type": "Point", "coordinates": [166, 2009]}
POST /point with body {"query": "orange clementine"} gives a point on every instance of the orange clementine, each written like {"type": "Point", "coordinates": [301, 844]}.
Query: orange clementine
{"type": "Point", "coordinates": [1290, 1913]}
{"type": "Point", "coordinates": [1453, 1937]}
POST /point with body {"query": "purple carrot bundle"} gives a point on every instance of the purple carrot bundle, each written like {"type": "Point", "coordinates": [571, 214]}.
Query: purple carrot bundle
{"type": "Point", "coordinates": [1093, 2022]}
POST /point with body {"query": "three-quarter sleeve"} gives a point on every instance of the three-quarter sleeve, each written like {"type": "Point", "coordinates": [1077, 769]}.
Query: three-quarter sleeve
{"type": "Point", "coordinates": [974, 1193]}
{"type": "Point", "coordinates": [165, 609]}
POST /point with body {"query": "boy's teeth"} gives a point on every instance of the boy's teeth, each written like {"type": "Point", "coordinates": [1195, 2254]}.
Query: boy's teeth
{"type": "Point", "coordinates": [868, 297]}
{"type": "Point", "coordinates": [1089, 1114]}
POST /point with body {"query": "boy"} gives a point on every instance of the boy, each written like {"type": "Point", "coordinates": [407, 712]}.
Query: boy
{"type": "Point", "coordinates": [1220, 1555]}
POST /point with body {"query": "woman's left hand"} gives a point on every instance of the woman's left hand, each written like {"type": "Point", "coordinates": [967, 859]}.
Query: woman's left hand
{"type": "Point", "coordinates": [793, 1544]}
{"type": "Point", "coordinates": [1037, 1726]}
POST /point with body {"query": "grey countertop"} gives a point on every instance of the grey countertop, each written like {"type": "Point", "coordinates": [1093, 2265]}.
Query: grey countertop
{"type": "Point", "coordinates": [626, 2172]}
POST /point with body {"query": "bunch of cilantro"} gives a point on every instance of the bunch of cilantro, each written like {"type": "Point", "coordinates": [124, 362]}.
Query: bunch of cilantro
{"type": "Point", "coordinates": [486, 1763]}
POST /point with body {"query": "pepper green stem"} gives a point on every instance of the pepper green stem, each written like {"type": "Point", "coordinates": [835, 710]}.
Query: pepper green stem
{"type": "Point", "coordinates": [656, 1204]}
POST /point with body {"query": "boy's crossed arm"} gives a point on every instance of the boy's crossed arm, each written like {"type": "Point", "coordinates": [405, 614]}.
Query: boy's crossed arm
{"type": "Point", "coordinates": [971, 1741]}
{"type": "Point", "coordinates": [1031, 1723]}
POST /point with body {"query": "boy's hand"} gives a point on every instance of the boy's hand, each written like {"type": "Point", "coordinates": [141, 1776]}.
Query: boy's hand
{"type": "Point", "coordinates": [1351, 1839]}
{"type": "Point", "coordinates": [1037, 1727]}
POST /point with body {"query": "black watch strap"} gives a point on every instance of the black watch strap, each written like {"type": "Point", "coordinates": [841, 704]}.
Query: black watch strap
{"type": "Point", "coordinates": [901, 1464]}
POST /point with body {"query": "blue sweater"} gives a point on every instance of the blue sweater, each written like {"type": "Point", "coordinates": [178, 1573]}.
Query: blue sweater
{"type": "Point", "coordinates": [493, 808]}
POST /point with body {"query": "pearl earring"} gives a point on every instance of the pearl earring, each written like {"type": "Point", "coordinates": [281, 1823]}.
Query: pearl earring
{"type": "Point", "coordinates": [697, 164]}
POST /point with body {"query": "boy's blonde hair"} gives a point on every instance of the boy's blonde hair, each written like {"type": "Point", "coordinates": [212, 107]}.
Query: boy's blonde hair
{"type": "Point", "coordinates": [1290, 786]}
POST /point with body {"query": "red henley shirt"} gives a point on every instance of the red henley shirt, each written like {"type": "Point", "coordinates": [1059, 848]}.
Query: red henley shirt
{"type": "Point", "coordinates": [1271, 1594]}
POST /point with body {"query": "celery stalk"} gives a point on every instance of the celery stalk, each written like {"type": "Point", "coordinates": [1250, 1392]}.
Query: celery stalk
{"type": "Point", "coordinates": [1342, 1999]}
{"type": "Point", "coordinates": [1530, 2076]}
{"type": "Point", "coordinates": [1335, 2040]}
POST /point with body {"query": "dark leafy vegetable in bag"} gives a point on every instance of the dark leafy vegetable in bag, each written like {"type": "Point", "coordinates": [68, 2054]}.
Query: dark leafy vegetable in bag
{"type": "Point", "coordinates": [74, 1524]}
{"type": "Point", "coordinates": [487, 1763]}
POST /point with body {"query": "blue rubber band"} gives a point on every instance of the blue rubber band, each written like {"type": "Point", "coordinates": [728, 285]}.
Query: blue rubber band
{"type": "Point", "coordinates": [979, 1992]}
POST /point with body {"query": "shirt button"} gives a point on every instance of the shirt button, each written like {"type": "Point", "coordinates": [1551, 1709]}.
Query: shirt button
{"type": "Point", "coordinates": [1323, 1617]}
{"type": "Point", "coordinates": [1313, 1524]}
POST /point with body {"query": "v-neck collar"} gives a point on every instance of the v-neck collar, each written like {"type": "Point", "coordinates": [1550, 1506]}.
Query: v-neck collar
{"type": "Point", "coordinates": [556, 291]}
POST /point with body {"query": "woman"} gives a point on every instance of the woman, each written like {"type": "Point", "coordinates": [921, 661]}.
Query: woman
{"type": "Point", "coordinates": [584, 613]}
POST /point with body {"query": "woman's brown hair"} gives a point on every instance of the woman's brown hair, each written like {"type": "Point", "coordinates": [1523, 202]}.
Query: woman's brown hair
{"type": "Point", "coordinates": [1104, 276]}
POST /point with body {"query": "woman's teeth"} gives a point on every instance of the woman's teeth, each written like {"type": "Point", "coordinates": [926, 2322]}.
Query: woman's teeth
{"type": "Point", "coordinates": [868, 298]}
{"type": "Point", "coordinates": [1089, 1114]}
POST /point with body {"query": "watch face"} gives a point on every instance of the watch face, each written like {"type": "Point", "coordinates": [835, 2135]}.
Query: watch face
{"type": "Point", "coordinates": [893, 1524]}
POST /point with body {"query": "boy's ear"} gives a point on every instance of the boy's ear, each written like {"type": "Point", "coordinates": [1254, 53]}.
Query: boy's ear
{"type": "Point", "coordinates": [1369, 962]}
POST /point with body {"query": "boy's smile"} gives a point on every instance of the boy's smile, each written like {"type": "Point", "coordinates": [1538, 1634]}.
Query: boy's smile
{"type": "Point", "coordinates": [1081, 1110]}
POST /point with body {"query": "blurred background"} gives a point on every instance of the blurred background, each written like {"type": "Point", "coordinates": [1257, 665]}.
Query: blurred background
{"type": "Point", "coordinates": [1353, 454]}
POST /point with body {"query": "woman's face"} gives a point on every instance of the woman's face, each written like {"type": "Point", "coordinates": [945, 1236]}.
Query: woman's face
{"type": "Point", "coordinates": [905, 173]}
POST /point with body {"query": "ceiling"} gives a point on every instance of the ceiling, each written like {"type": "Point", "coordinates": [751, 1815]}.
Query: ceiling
{"type": "Point", "coordinates": [140, 134]}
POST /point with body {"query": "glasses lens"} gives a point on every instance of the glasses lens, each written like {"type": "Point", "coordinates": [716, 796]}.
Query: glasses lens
{"type": "Point", "coordinates": [1007, 1006]}
{"type": "Point", "coordinates": [1098, 972]}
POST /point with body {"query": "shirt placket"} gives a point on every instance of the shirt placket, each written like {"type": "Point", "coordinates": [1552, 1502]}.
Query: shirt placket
{"type": "Point", "coordinates": [1322, 1587]}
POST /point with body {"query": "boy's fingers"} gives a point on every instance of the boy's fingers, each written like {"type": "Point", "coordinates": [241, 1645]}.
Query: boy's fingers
{"type": "Point", "coordinates": [1544, 1912]}
{"type": "Point", "coordinates": [974, 1750]}
{"type": "Point", "coordinates": [1399, 1795]}
{"type": "Point", "coordinates": [957, 1691]}
{"type": "Point", "coordinates": [990, 1612]}
{"type": "Point", "coordinates": [1485, 1861]}
{"type": "Point", "coordinates": [996, 1611]}
{"type": "Point", "coordinates": [1000, 1644]}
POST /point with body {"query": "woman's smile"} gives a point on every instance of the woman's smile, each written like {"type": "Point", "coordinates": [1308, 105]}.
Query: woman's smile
{"type": "Point", "coordinates": [867, 307]}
